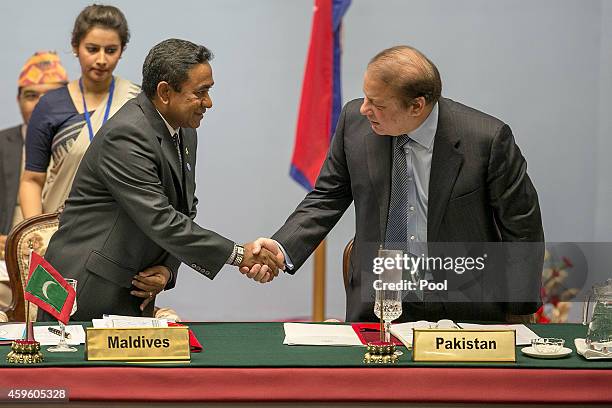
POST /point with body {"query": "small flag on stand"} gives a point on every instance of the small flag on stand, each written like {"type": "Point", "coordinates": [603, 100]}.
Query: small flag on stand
{"type": "Point", "coordinates": [48, 290]}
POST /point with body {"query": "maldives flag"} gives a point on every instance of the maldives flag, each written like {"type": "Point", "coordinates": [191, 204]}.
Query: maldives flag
{"type": "Point", "coordinates": [48, 290]}
{"type": "Point", "coordinates": [321, 100]}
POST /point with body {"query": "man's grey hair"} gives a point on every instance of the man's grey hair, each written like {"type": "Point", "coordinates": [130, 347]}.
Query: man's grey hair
{"type": "Point", "coordinates": [409, 72]}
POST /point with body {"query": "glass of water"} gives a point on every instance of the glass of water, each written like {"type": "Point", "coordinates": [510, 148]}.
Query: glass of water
{"type": "Point", "coordinates": [63, 346]}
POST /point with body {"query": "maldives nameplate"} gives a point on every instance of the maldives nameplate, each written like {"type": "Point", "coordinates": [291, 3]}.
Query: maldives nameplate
{"type": "Point", "coordinates": [463, 345]}
{"type": "Point", "coordinates": [138, 344]}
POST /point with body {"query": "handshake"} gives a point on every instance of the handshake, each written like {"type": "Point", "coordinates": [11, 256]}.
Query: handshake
{"type": "Point", "coordinates": [262, 260]}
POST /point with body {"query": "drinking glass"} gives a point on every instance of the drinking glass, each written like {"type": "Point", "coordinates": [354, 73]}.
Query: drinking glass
{"type": "Point", "coordinates": [391, 301]}
{"type": "Point", "coordinates": [63, 346]}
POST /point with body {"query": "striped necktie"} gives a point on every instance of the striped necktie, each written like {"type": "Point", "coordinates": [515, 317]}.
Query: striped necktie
{"type": "Point", "coordinates": [396, 233]}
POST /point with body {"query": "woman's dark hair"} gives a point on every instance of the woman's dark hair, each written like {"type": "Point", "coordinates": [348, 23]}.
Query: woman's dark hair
{"type": "Point", "coordinates": [170, 61]}
{"type": "Point", "coordinates": [97, 15]}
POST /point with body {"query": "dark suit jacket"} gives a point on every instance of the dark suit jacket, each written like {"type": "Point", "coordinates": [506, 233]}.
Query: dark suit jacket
{"type": "Point", "coordinates": [11, 146]}
{"type": "Point", "coordinates": [479, 191]}
{"type": "Point", "coordinates": [130, 209]}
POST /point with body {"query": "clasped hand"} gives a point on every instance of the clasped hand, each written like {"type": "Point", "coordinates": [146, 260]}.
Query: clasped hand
{"type": "Point", "coordinates": [262, 260]}
{"type": "Point", "coordinates": [151, 281]}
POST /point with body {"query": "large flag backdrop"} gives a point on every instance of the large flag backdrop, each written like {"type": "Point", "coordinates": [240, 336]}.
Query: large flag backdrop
{"type": "Point", "coordinates": [321, 99]}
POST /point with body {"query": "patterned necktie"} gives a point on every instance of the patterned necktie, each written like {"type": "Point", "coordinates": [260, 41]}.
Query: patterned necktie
{"type": "Point", "coordinates": [396, 234]}
{"type": "Point", "coordinates": [177, 144]}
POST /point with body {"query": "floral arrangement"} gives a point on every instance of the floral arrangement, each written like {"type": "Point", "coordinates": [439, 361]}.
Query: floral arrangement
{"type": "Point", "coordinates": [555, 295]}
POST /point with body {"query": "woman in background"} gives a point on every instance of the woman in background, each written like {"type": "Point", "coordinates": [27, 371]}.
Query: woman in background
{"type": "Point", "coordinates": [66, 120]}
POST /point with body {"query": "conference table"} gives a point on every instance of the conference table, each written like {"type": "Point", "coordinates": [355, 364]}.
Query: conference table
{"type": "Point", "coordinates": [243, 362]}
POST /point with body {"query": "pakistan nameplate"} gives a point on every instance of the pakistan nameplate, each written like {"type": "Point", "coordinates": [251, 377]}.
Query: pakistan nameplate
{"type": "Point", "coordinates": [138, 344]}
{"type": "Point", "coordinates": [463, 345]}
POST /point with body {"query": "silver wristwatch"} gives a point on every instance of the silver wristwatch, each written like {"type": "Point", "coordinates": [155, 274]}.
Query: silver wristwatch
{"type": "Point", "coordinates": [235, 258]}
{"type": "Point", "coordinates": [239, 255]}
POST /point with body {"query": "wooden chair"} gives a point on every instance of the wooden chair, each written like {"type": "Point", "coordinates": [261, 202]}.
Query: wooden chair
{"type": "Point", "coordinates": [346, 261]}
{"type": "Point", "coordinates": [33, 233]}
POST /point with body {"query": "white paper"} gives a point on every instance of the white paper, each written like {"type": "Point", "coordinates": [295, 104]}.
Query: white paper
{"type": "Point", "coordinates": [46, 338]}
{"type": "Point", "coordinates": [12, 331]}
{"type": "Point", "coordinates": [524, 334]}
{"type": "Point", "coordinates": [101, 323]}
{"type": "Point", "coordinates": [15, 331]}
{"type": "Point", "coordinates": [320, 335]}
{"type": "Point", "coordinates": [3, 272]}
{"type": "Point", "coordinates": [116, 321]}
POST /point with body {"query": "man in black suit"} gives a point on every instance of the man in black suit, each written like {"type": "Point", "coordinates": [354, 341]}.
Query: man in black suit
{"type": "Point", "coordinates": [132, 203]}
{"type": "Point", "coordinates": [424, 169]}
{"type": "Point", "coordinates": [41, 73]}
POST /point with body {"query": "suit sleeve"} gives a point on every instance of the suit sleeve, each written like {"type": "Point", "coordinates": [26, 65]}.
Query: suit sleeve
{"type": "Point", "coordinates": [171, 262]}
{"type": "Point", "coordinates": [129, 166]}
{"type": "Point", "coordinates": [321, 209]}
{"type": "Point", "coordinates": [517, 215]}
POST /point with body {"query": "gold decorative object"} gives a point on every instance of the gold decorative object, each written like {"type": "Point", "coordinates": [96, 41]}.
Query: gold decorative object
{"type": "Point", "coordinates": [380, 352]}
{"type": "Point", "coordinates": [25, 352]}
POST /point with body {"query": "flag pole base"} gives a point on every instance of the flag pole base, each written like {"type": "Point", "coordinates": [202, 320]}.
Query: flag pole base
{"type": "Point", "coordinates": [380, 352]}
{"type": "Point", "coordinates": [25, 352]}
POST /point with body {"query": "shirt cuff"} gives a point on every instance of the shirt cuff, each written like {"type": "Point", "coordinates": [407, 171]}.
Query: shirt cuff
{"type": "Point", "coordinates": [288, 263]}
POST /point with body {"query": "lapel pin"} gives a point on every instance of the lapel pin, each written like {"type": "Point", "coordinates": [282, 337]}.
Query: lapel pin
{"type": "Point", "coordinates": [186, 150]}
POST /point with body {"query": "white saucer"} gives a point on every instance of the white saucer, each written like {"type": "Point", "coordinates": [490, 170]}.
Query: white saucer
{"type": "Point", "coordinates": [531, 352]}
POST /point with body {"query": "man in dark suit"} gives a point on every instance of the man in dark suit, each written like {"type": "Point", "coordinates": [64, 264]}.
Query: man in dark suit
{"type": "Point", "coordinates": [11, 153]}
{"type": "Point", "coordinates": [424, 169]}
{"type": "Point", "coordinates": [41, 73]}
{"type": "Point", "coordinates": [132, 203]}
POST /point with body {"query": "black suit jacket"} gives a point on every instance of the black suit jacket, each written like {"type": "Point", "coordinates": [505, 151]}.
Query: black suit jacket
{"type": "Point", "coordinates": [11, 147]}
{"type": "Point", "coordinates": [129, 209]}
{"type": "Point", "coordinates": [479, 191]}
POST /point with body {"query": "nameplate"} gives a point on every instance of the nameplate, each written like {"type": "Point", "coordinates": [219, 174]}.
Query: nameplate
{"type": "Point", "coordinates": [137, 344]}
{"type": "Point", "coordinates": [463, 345]}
